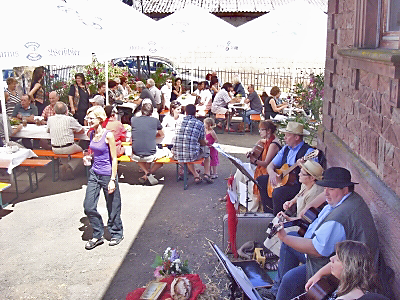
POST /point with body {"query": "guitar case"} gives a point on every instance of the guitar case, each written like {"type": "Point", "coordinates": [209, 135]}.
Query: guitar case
{"type": "Point", "coordinates": [250, 227]}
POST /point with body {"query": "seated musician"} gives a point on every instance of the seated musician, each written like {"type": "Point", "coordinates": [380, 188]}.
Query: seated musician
{"type": "Point", "coordinates": [270, 147]}
{"type": "Point", "coordinates": [310, 172]}
{"type": "Point", "coordinates": [346, 216]}
{"type": "Point", "coordinates": [291, 153]}
{"type": "Point", "coordinates": [353, 266]}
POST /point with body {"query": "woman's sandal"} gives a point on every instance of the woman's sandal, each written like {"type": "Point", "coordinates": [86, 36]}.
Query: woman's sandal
{"type": "Point", "coordinates": [198, 180]}
{"type": "Point", "coordinates": [207, 178]}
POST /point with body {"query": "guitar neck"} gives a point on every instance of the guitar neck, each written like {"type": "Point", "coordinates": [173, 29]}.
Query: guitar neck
{"type": "Point", "coordinates": [284, 173]}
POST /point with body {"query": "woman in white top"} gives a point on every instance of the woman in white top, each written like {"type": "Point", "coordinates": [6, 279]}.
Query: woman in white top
{"type": "Point", "coordinates": [124, 87]}
{"type": "Point", "coordinates": [174, 115]}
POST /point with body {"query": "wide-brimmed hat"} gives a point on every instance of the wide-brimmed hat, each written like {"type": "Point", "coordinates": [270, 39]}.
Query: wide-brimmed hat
{"type": "Point", "coordinates": [336, 177]}
{"type": "Point", "coordinates": [295, 128]}
{"type": "Point", "coordinates": [313, 168]}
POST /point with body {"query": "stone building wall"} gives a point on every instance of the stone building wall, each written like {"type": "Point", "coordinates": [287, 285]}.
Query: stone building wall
{"type": "Point", "coordinates": [361, 121]}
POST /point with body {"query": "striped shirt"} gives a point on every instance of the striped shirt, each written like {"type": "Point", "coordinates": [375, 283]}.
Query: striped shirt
{"type": "Point", "coordinates": [62, 128]}
{"type": "Point", "coordinates": [12, 101]}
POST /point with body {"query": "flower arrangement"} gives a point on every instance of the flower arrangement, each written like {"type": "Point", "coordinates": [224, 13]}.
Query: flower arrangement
{"type": "Point", "coordinates": [95, 73]}
{"type": "Point", "coordinates": [310, 96]}
{"type": "Point", "coordinates": [170, 264]}
{"type": "Point", "coordinates": [53, 84]}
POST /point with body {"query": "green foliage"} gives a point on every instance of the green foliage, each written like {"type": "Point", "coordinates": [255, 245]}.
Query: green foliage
{"type": "Point", "coordinates": [310, 96]}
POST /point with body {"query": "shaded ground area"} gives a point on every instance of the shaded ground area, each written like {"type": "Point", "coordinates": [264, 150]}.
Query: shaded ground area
{"type": "Point", "coordinates": [43, 236]}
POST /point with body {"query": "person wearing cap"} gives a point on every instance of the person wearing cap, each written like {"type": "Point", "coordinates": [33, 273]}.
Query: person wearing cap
{"type": "Point", "coordinates": [345, 217]}
{"type": "Point", "coordinates": [292, 152]}
{"type": "Point", "coordinates": [97, 100]}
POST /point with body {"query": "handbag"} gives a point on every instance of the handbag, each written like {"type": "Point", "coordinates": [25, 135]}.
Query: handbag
{"type": "Point", "coordinates": [76, 97]}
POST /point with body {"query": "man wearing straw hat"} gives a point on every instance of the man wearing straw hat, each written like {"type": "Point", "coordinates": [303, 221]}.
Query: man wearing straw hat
{"type": "Point", "coordinates": [345, 217]}
{"type": "Point", "coordinates": [292, 152]}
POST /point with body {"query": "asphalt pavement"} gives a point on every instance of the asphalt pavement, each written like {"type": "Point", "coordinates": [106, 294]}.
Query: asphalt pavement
{"type": "Point", "coordinates": [43, 235]}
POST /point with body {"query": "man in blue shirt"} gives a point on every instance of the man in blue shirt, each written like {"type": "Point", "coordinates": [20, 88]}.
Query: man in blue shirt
{"type": "Point", "coordinates": [346, 217]}
{"type": "Point", "coordinates": [294, 150]}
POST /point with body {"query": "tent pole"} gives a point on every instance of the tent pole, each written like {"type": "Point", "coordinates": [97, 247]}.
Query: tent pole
{"type": "Point", "coordinates": [106, 77]}
{"type": "Point", "coordinates": [3, 109]}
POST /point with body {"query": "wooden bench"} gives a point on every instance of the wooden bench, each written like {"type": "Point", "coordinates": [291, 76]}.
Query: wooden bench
{"type": "Point", "coordinates": [254, 119]}
{"type": "Point", "coordinates": [3, 186]}
{"type": "Point", "coordinates": [55, 158]}
{"type": "Point", "coordinates": [169, 160]}
{"type": "Point", "coordinates": [221, 118]}
{"type": "Point", "coordinates": [30, 164]}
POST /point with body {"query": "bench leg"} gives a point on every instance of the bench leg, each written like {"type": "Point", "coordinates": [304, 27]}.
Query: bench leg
{"type": "Point", "coordinates": [55, 169]}
{"type": "Point", "coordinates": [33, 185]}
{"type": "Point", "coordinates": [14, 174]}
{"type": "Point", "coordinates": [185, 176]}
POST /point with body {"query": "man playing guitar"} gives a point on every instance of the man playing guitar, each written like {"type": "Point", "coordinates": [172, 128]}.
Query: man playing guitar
{"type": "Point", "coordinates": [290, 154]}
{"type": "Point", "coordinates": [345, 217]}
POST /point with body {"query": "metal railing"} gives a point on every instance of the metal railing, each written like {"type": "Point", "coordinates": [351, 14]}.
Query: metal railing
{"type": "Point", "coordinates": [284, 78]}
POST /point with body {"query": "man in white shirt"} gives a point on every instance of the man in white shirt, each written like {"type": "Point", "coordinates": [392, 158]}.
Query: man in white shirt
{"type": "Point", "coordinates": [151, 85]}
{"type": "Point", "coordinates": [203, 98]}
{"type": "Point", "coordinates": [166, 91]}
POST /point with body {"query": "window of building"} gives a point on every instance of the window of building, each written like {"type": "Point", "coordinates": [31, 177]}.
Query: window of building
{"type": "Point", "coordinates": [390, 24]}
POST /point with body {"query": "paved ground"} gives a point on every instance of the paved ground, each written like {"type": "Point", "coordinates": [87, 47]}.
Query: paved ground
{"type": "Point", "coordinates": [43, 236]}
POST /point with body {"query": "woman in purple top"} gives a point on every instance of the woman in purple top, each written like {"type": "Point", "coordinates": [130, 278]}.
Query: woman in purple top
{"type": "Point", "coordinates": [102, 175]}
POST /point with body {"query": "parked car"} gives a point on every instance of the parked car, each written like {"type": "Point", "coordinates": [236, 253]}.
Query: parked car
{"type": "Point", "coordinates": [155, 62]}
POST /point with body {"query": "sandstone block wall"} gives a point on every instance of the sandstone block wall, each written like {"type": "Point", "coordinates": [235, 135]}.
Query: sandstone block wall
{"type": "Point", "coordinates": [361, 121]}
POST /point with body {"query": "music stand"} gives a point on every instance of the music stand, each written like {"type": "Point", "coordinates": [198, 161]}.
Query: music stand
{"type": "Point", "coordinates": [238, 276]}
{"type": "Point", "coordinates": [249, 177]}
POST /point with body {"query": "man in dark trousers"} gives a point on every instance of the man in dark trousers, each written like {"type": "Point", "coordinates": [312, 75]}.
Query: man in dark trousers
{"type": "Point", "coordinates": [294, 150]}
{"type": "Point", "coordinates": [345, 217]}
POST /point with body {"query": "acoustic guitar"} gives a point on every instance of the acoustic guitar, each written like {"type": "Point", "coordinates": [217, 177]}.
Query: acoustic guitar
{"type": "Point", "coordinates": [256, 152]}
{"type": "Point", "coordinates": [286, 175]}
{"type": "Point", "coordinates": [309, 216]}
{"type": "Point", "coordinates": [321, 290]}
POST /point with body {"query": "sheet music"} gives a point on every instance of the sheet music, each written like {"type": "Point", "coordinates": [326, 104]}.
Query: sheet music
{"type": "Point", "coordinates": [238, 274]}
{"type": "Point", "coordinates": [227, 155]}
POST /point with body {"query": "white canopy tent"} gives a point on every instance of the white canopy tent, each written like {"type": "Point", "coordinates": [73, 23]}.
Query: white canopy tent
{"type": "Point", "coordinates": [295, 31]}
{"type": "Point", "coordinates": [190, 30]}
{"type": "Point", "coordinates": [38, 41]}
{"type": "Point", "coordinates": [118, 30]}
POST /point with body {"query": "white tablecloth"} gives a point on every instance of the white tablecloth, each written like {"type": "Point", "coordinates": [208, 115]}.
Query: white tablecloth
{"type": "Point", "coordinates": [186, 99]}
{"type": "Point", "coordinates": [32, 131]}
{"type": "Point", "coordinates": [16, 158]}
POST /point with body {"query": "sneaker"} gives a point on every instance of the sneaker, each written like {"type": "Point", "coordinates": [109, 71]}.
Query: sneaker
{"type": "Point", "coordinates": [93, 243]}
{"type": "Point", "coordinates": [151, 179]}
{"type": "Point", "coordinates": [213, 176]}
{"type": "Point", "coordinates": [115, 241]}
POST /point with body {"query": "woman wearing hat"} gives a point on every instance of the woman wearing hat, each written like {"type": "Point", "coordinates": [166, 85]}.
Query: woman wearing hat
{"type": "Point", "coordinates": [310, 172]}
